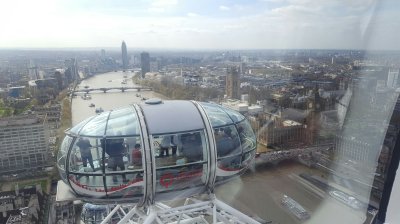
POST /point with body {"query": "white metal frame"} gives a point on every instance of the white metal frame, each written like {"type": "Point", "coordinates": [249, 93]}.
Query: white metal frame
{"type": "Point", "coordinates": [194, 211]}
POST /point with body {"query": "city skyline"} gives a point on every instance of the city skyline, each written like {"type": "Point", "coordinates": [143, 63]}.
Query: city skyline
{"type": "Point", "coordinates": [174, 24]}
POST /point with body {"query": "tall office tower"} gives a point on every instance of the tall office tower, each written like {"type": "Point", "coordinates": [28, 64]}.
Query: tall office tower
{"type": "Point", "coordinates": [233, 83]}
{"type": "Point", "coordinates": [33, 71]}
{"type": "Point", "coordinates": [24, 144]}
{"type": "Point", "coordinates": [393, 77]}
{"type": "Point", "coordinates": [103, 54]}
{"type": "Point", "coordinates": [71, 73]}
{"type": "Point", "coordinates": [125, 60]}
{"type": "Point", "coordinates": [145, 63]}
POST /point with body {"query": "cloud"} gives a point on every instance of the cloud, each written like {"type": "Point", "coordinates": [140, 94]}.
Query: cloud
{"type": "Point", "coordinates": [192, 14]}
{"type": "Point", "coordinates": [224, 8]}
{"type": "Point", "coordinates": [330, 24]}
{"type": "Point", "coordinates": [273, 1]}
{"type": "Point", "coordinates": [156, 9]}
{"type": "Point", "coordinates": [163, 3]}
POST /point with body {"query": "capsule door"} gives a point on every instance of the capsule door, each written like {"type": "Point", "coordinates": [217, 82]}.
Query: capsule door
{"type": "Point", "coordinates": [181, 164]}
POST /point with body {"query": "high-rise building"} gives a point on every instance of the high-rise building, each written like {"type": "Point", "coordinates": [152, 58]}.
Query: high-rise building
{"type": "Point", "coordinates": [145, 62]}
{"type": "Point", "coordinates": [33, 71]}
{"type": "Point", "coordinates": [393, 76]}
{"type": "Point", "coordinates": [103, 53]}
{"type": "Point", "coordinates": [24, 142]}
{"type": "Point", "coordinates": [71, 73]}
{"type": "Point", "coordinates": [125, 60]}
{"type": "Point", "coordinates": [233, 83]}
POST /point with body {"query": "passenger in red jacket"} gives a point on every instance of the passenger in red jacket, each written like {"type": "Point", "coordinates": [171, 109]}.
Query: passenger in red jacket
{"type": "Point", "coordinates": [137, 156]}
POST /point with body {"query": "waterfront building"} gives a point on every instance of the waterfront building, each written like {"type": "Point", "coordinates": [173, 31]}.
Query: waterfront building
{"type": "Point", "coordinates": [71, 72]}
{"type": "Point", "coordinates": [145, 63]}
{"type": "Point", "coordinates": [125, 60]}
{"type": "Point", "coordinates": [278, 133]}
{"type": "Point", "coordinates": [24, 144]}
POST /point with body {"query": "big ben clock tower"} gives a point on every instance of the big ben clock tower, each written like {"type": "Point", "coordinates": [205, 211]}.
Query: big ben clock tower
{"type": "Point", "coordinates": [314, 106]}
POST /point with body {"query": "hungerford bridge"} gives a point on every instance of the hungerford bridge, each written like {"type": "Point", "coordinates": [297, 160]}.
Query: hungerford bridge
{"type": "Point", "coordinates": [106, 89]}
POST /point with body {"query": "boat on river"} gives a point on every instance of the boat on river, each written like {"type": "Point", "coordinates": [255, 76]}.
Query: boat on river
{"type": "Point", "coordinates": [99, 110]}
{"type": "Point", "coordinates": [92, 105]}
{"type": "Point", "coordinates": [346, 199]}
{"type": "Point", "coordinates": [295, 208]}
{"type": "Point", "coordinates": [86, 96]}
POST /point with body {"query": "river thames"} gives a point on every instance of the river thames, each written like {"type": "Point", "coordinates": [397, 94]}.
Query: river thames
{"type": "Point", "coordinates": [257, 193]}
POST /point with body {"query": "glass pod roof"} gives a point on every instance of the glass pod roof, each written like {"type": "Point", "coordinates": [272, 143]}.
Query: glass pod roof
{"type": "Point", "coordinates": [166, 117]}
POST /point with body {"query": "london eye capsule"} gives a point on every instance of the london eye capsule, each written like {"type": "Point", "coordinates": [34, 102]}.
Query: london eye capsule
{"type": "Point", "coordinates": [157, 150]}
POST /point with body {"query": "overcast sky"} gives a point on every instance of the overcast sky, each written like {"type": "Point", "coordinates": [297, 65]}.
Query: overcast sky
{"type": "Point", "coordinates": [201, 24]}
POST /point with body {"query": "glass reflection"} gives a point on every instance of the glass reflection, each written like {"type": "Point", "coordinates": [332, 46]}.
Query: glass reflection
{"type": "Point", "coordinates": [180, 177]}
{"type": "Point", "coordinates": [234, 115]}
{"type": "Point", "coordinates": [246, 136]}
{"type": "Point", "coordinates": [122, 122]}
{"type": "Point", "coordinates": [62, 156]}
{"type": "Point", "coordinates": [96, 126]}
{"type": "Point", "coordinates": [228, 148]}
{"type": "Point", "coordinates": [217, 115]}
{"type": "Point", "coordinates": [78, 127]}
{"type": "Point", "coordinates": [118, 188]}
{"type": "Point", "coordinates": [91, 185]}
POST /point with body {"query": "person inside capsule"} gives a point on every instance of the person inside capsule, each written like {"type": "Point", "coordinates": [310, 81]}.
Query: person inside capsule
{"type": "Point", "coordinates": [166, 143]}
{"type": "Point", "coordinates": [86, 155]}
{"type": "Point", "coordinates": [116, 150]}
{"type": "Point", "coordinates": [192, 147]}
{"type": "Point", "coordinates": [137, 156]}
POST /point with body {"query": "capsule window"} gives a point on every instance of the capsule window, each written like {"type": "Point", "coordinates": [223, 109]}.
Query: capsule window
{"type": "Point", "coordinates": [229, 149]}
{"type": "Point", "coordinates": [246, 136]}
{"type": "Point", "coordinates": [181, 160]}
{"type": "Point", "coordinates": [123, 166]}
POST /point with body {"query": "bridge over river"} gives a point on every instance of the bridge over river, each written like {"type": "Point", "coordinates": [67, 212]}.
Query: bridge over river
{"type": "Point", "coordinates": [106, 89]}
{"type": "Point", "coordinates": [308, 156]}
